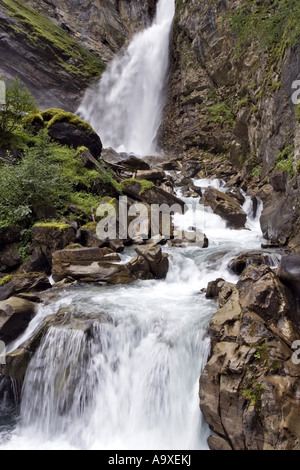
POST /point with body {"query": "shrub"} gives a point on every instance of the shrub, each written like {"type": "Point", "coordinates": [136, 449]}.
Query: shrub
{"type": "Point", "coordinates": [30, 185]}
{"type": "Point", "coordinates": [19, 103]}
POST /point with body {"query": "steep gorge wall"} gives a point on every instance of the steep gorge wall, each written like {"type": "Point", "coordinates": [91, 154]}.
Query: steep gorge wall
{"type": "Point", "coordinates": [59, 49]}
{"type": "Point", "coordinates": [230, 96]}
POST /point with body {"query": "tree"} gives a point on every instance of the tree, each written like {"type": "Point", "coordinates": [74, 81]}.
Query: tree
{"type": "Point", "coordinates": [19, 103]}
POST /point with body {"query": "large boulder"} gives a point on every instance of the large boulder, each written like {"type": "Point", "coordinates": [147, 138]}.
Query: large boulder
{"type": "Point", "coordinates": [157, 260]}
{"type": "Point", "coordinates": [225, 206]}
{"type": "Point", "coordinates": [23, 283]}
{"type": "Point", "coordinates": [68, 129]}
{"type": "Point", "coordinates": [152, 195]}
{"type": "Point", "coordinates": [250, 388]}
{"type": "Point", "coordinates": [15, 315]}
{"type": "Point", "coordinates": [289, 272]}
{"type": "Point", "coordinates": [90, 265]}
{"type": "Point", "coordinates": [240, 263]}
{"type": "Point", "coordinates": [53, 236]}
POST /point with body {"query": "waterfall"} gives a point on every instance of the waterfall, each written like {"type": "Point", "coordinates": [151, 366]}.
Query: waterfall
{"type": "Point", "coordinates": [126, 107]}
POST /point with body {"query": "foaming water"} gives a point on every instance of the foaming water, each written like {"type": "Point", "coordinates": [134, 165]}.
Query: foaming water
{"type": "Point", "coordinates": [129, 381]}
{"type": "Point", "coordinates": [126, 108]}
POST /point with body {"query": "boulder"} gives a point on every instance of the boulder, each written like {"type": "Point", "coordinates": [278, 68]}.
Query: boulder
{"type": "Point", "coordinates": [196, 239]}
{"type": "Point", "coordinates": [140, 269]}
{"type": "Point", "coordinates": [15, 315]}
{"type": "Point", "coordinates": [289, 272]}
{"type": "Point", "coordinates": [225, 206]}
{"type": "Point", "coordinates": [157, 260]}
{"type": "Point", "coordinates": [24, 283]}
{"type": "Point", "coordinates": [152, 195]}
{"type": "Point", "coordinates": [213, 288]}
{"type": "Point", "coordinates": [10, 257]}
{"type": "Point", "coordinates": [90, 265]}
{"type": "Point", "coordinates": [53, 236]}
{"type": "Point", "coordinates": [239, 264]}
{"type": "Point", "coordinates": [75, 135]}
{"type": "Point", "coordinates": [153, 175]}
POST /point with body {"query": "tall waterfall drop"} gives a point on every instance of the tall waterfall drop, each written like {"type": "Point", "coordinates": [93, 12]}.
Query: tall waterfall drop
{"type": "Point", "coordinates": [126, 108]}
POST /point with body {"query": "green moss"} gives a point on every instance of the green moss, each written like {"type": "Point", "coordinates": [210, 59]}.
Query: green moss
{"type": "Point", "coordinates": [5, 280]}
{"type": "Point", "coordinates": [253, 395]}
{"type": "Point", "coordinates": [275, 24]}
{"type": "Point", "coordinates": [256, 172]}
{"type": "Point", "coordinates": [88, 203]}
{"type": "Point", "coordinates": [144, 184]}
{"type": "Point", "coordinates": [90, 226]}
{"type": "Point", "coordinates": [53, 41]}
{"type": "Point", "coordinates": [59, 115]}
{"type": "Point", "coordinates": [60, 225]}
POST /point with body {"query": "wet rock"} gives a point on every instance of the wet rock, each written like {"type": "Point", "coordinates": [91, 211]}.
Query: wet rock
{"type": "Point", "coordinates": [225, 206]}
{"type": "Point", "coordinates": [214, 288]}
{"type": "Point", "coordinates": [250, 377]}
{"type": "Point", "coordinates": [24, 283]}
{"type": "Point", "coordinates": [15, 315]}
{"type": "Point", "coordinates": [89, 265]}
{"type": "Point", "coordinates": [289, 272]}
{"type": "Point", "coordinates": [189, 238]}
{"type": "Point", "coordinates": [157, 260]}
{"type": "Point", "coordinates": [140, 269]}
{"type": "Point", "coordinates": [239, 264]}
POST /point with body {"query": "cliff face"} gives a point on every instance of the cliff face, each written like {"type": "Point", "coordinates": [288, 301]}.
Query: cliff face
{"type": "Point", "coordinates": [234, 64]}
{"type": "Point", "coordinates": [102, 26]}
{"type": "Point", "coordinates": [57, 51]}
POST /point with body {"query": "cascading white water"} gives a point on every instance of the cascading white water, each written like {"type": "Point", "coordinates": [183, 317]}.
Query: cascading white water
{"type": "Point", "coordinates": [126, 107]}
{"type": "Point", "coordinates": [131, 382]}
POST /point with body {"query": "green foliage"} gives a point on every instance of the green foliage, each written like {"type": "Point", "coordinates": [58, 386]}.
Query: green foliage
{"type": "Point", "coordinates": [56, 43]}
{"type": "Point", "coordinates": [221, 113]}
{"type": "Point", "coordinates": [53, 224]}
{"type": "Point", "coordinates": [144, 184]}
{"type": "Point", "coordinates": [5, 280]}
{"type": "Point", "coordinates": [52, 115]}
{"type": "Point", "coordinates": [19, 102]}
{"type": "Point", "coordinates": [253, 395]}
{"type": "Point", "coordinates": [285, 160]}
{"type": "Point", "coordinates": [88, 203]}
{"type": "Point", "coordinates": [275, 24]}
{"type": "Point", "coordinates": [256, 172]}
{"type": "Point", "coordinates": [34, 183]}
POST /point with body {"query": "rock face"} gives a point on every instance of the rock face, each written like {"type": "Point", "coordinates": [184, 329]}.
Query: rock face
{"type": "Point", "coordinates": [225, 206]}
{"type": "Point", "coordinates": [230, 94]}
{"type": "Point", "coordinates": [57, 58]}
{"type": "Point", "coordinates": [15, 315]}
{"type": "Point", "coordinates": [249, 390]}
{"type": "Point", "coordinates": [289, 272]}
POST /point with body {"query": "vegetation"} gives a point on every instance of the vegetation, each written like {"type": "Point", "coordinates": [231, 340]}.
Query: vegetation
{"type": "Point", "coordinates": [221, 112]}
{"type": "Point", "coordinates": [275, 24]}
{"type": "Point", "coordinates": [284, 160]}
{"type": "Point", "coordinates": [253, 395]}
{"type": "Point", "coordinates": [19, 102]}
